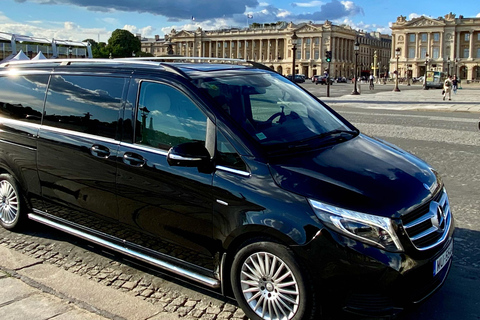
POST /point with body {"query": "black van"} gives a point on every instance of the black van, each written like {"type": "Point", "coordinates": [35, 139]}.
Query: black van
{"type": "Point", "coordinates": [229, 175]}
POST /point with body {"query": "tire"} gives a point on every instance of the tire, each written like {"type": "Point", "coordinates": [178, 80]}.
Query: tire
{"type": "Point", "coordinates": [11, 204]}
{"type": "Point", "coordinates": [268, 283]}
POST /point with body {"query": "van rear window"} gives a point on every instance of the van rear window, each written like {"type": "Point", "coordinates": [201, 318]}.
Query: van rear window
{"type": "Point", "coordinates": [85, 104]}
{"type": "Point", "coordinates": [22, 97]}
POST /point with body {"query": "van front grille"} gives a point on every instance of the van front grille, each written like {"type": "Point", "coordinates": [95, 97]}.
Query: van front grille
{"type": "Point", "coordinates": [428, 225]}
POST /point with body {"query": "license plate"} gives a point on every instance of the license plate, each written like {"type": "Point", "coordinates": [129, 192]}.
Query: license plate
{"type": "Point", "coordinates": [442, 261]}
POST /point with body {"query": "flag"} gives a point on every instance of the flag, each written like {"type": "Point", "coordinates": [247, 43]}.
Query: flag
{"type": "Point", "coordinates": [250, 16]}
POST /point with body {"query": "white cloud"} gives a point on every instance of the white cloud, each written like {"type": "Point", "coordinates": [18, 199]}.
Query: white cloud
{"type": "Point", "coordinates": [308, 4]}
{"type": "Point", "coordinates": [145, 32]}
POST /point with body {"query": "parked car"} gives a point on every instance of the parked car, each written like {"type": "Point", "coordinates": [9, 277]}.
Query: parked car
{"type": "Point", "coordinates": [227, 175]}
{"type": "Point", "coordinates": [323, 80]}
{"type": "Point", "coordinates": [341, 80]}
{"type": "Point", "coordinates": [298, 78]}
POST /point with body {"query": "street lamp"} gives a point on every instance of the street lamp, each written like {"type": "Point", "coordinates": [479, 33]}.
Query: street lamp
{"type": "Point", "coordinates": [356, 48]}
{"type": "Point", "coordinates": [169, 45]}
{"type": "Point", "coordinates": [294, 49]}
{"type": "Point", "coordinates": [70, 50]}
{"type": "Point", "coordinates": [425, 76]}
{"type": "Point", "coordinates": [397, 56]}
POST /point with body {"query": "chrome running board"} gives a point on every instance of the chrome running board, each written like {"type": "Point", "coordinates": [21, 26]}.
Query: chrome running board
{"type": "Point", "coordinates": [176, 269]}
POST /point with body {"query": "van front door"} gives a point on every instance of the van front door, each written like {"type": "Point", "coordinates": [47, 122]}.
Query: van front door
{"type": "Point", "coordinates": [168, 209]}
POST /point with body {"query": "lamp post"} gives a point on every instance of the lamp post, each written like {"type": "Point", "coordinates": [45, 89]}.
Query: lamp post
{"type": "Point", "coordinates": [169, 45]}
{"type": "Point", "coordinates": [70, 51]}
{"type": "Point", "coordinates": [397, 56]}
{"type": "Point", "coordinates": [356, 47]}
{"type": "Point", "coordinates": [425, 76]}
{"type": "Point", "coordinates": [448, 65]}
{"type": "Point", "coordinates": [294, 49]}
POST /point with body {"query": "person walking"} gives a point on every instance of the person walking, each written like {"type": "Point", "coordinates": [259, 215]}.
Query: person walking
{"type": "Point", "coordinates": [371, 81]}
{"type": "Point", "coordinates": [447, 88]}
{"type": "Point", "coordinates": [455, 84]}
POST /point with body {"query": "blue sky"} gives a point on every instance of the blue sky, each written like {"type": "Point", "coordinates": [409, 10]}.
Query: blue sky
{"type": "Point", "coordinates": [96, 19]}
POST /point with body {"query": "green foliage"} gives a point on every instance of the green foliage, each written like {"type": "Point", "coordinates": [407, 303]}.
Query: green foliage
{"type": "Point", "coordinates": [122, 44]}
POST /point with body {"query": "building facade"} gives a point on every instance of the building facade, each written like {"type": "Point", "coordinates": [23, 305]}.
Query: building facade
{"type": "Point", "coordinates": [447, 44]}
{"type": "Point", "coordinates": [271, 45]}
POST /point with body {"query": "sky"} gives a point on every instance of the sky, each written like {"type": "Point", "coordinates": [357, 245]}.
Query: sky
{"type": "Point", "coordinates": [78, 20]}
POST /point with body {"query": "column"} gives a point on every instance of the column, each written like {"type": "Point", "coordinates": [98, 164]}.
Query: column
{"type": "Point", "coordinates": [245, 47]}
{"type": "Point", "coordinates": [276, 50]}
{"type": "Point", "coordinates": [418, 54]}
{"type": "Point", "coordinates": [441, 46]}
{"type": "Point", "coordinates": [470, 49]}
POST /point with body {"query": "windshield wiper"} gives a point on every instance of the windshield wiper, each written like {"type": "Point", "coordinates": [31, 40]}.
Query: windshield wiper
{"type": "Point", "coordinates": [338, 133]}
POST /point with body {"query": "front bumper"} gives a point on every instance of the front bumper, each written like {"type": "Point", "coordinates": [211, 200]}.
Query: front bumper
{"type": "Point", "coordinates": [368, 281]}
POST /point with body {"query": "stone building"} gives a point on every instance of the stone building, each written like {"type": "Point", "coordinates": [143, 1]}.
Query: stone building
{"type": "Point", "coordinates": [271, 44]}
{"type": "Point", "coordinates": [447, 44]}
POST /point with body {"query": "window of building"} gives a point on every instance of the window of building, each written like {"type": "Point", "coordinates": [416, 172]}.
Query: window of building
{"type": "Point", "coordinates": [27, 102]}
{"type": "Point", "coordinates": [424, 37]}
{"type": "Point", "coordinates": [316, 53]}
{"type": "Point", "coordinates": [436, 37]}
{"type": "Point", "coordinates": [467, 36]}
{"type": "Point", "coordinates": [478, 52]}
{"type": "Point", "coordinates": [478, 36]}
{"type": "Point", "coordinates": [466, 53]}
{"type": "Point", "coordinates": [436, 53]}
{"type": "Point", "coordinates": [423, 53]}
{"type": "Point", "coordinates": [85, 104]}
{"type": "Point", "coordinates": [411, 53]}
{"type": "Point", "coordinates": [166, 117]}
{"type": "Point", "coordinates": [317, 40]}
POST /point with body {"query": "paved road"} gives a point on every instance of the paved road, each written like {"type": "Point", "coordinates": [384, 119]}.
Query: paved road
{"type": "Point", "coordinates": [45, 274]}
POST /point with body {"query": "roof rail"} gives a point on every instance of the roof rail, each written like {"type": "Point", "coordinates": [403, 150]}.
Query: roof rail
{"type": "Point", "coordinates": [67, 62]}
{"type": "Point", "coordinates": [173, 58]}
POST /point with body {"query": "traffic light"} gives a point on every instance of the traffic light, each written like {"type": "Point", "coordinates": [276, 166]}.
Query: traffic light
{"type": "Point", "coordinates": [328, 56]}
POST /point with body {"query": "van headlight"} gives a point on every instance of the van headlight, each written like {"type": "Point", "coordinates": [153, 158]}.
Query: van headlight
{"type": "Point", "coordinates": [374, 230]}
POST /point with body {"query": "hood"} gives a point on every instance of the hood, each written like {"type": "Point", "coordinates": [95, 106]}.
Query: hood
{"type": "Point", "coordinates": [361, 174]}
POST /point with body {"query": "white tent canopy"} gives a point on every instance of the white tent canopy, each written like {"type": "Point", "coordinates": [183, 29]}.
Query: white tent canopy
{"type": "Point", "coordinates": [21, 56]}
{"type": "Point", "coordinates": [39, 56]}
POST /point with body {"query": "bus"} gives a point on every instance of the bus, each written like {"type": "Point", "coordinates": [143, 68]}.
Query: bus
{"type": "Point", "coordinates": [435, 79]}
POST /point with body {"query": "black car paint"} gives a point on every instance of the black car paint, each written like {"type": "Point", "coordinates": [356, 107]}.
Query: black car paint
{"type": "Point", "coordinates": [268, 200]}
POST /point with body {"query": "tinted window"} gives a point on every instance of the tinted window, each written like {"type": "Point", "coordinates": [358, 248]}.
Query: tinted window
{"type": "Point", "coordinates": [22, 97]}
{"type": "Point", "coordinates": [85, 104]}
{"type": "Point", "coordinates": [166, 117]}
{"type": "Point", "coordinates": [227, 156]}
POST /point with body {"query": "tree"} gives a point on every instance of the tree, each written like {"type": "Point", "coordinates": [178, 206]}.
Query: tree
{"type": "Point", "coordinates": [98, 48]}
{"type": "Point", "coordinates": [122, 44]}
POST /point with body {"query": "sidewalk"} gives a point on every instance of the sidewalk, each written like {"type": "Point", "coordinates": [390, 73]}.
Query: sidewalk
{"type": "Point", "coordinates": [466, 99]}
{"type": "Point", "coordinates": [32, 290]}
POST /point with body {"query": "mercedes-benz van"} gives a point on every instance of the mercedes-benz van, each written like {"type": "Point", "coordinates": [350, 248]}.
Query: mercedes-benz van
{"type": "Point", "coordinates": [226, 174]}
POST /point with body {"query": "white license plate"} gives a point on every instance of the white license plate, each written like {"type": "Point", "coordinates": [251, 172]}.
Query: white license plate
{"type": "Point", "coordinates": [442, 261]}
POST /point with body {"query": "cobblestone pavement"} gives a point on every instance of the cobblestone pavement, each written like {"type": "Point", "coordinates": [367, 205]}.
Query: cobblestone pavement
{"type": "Point", "coordinates": [76, 256]}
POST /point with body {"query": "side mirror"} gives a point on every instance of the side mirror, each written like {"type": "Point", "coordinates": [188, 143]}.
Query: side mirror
{"type": "Point", "coordinates": [189, 154]}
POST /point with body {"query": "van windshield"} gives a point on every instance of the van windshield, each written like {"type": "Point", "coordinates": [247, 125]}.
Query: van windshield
{"type": "Point", "coordinates": [270, 108]}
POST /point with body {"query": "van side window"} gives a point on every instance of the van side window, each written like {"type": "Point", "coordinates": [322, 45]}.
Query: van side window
{"type": "Point", "coordinates": [167, 117]}
{"type": "Point", "coordinates": [22, 97]}
{"type": "Point", "coordinates": [227, 156]}
{"type": "Point", "coordinates": [84, 104]}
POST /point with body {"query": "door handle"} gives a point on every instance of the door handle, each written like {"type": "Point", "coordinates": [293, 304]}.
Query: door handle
{"type": "Point", "coordinates": [100, 151]}
{"type": "Point", "coordinates": [133, 159]}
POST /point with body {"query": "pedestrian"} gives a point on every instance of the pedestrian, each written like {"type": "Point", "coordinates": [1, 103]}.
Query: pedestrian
{"type": "Point", "coordinates": [447, 88]}
{"type": "Point", "coordinates": [371, 81]}
{"type": "Point", "coordinates": [455, 84]}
